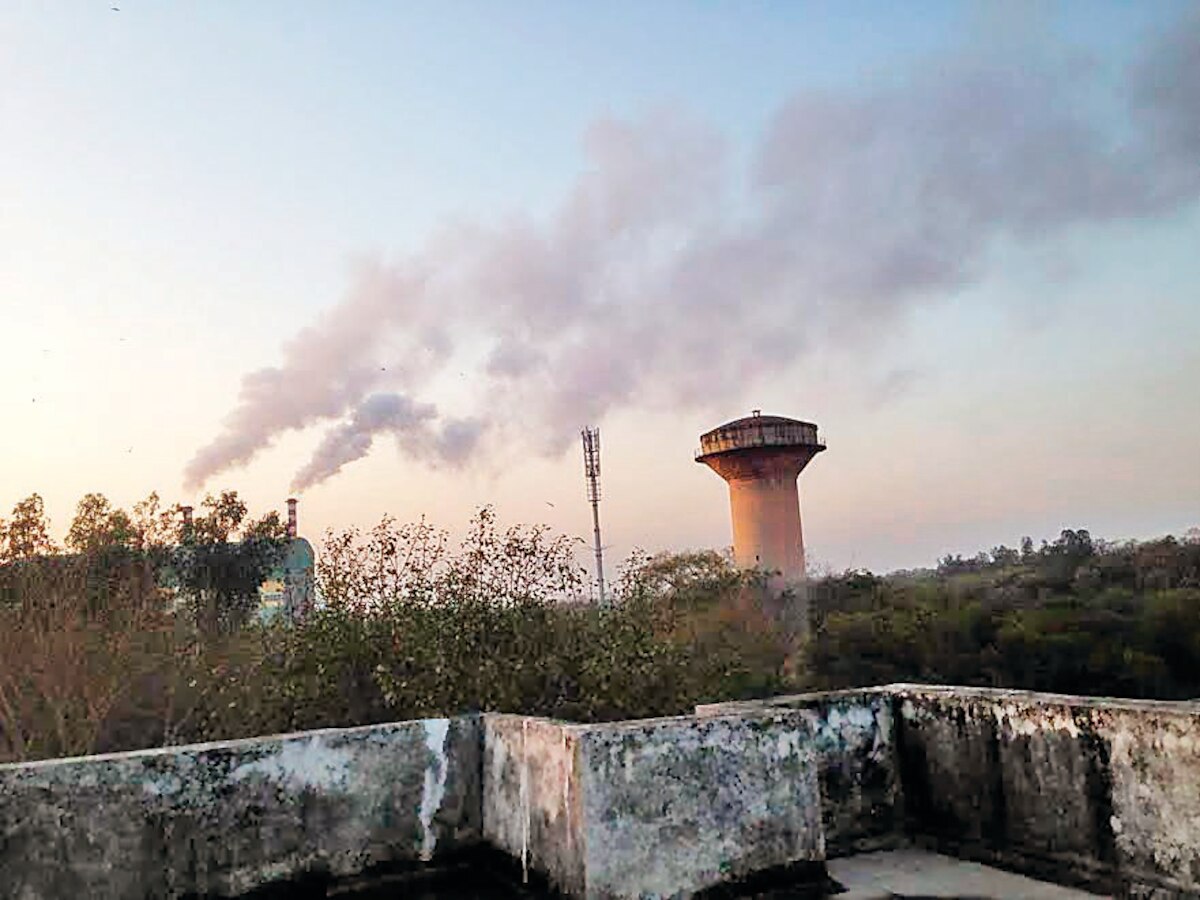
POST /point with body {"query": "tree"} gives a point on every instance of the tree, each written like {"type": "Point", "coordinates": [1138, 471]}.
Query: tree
{"type": "Point", "coordinates": [220, 575]}
{"type": "Point", "coordinates": [1005, 556]}
{"type": "Point", "coordinates": [27, 535]}
{"type": "Point", "coordinates": [684, 581]}
{"type": "Point", "coordinates": [225, 513]}
{"type": "Point", "coordinates": [1075, 545]}
{"type": "Point", "coordinates": [97, 526]}
{"type": "Point", "coordinates": [156, 528]}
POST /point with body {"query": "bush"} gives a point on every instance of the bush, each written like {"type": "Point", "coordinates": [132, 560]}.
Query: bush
{"type": "Point", "coordinates": [409, 629]}
{"type": "Point", "coordinates": [76, 634]}
{"type": "Point", "coordinates": [95, 656]}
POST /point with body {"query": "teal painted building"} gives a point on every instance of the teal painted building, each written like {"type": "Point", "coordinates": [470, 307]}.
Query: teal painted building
{"type": "Point", "coordinates": [290, 589]}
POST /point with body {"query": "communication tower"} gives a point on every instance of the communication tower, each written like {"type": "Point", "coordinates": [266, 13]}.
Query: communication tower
{"type": "Point", "coordinates": [591, 472]}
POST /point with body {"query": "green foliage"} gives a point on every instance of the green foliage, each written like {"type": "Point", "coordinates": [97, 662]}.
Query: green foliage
{"type": "Point", "coordinates": [411, 627]}
{"type": "Point", "coordinates": [218, 571]}
{"type": "Point", "coordinates": [98, 526]}
{"type": "Point", "coordinates": [93, 653]}
{"type": "Point", "coordinates": [143, 637]}
{"type": "Point", "coordinates": [1076, 616]}
{"type": "Point", "coordinates": [225, 512]}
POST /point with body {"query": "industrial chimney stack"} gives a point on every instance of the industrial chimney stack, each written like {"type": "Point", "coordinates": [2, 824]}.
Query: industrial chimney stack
{"type": "Point", "coordinates": [760, 457]}
{"type": "Point", "coordinates": [291, 525]}
{"type": "Point", "coordinates": [187, 520]}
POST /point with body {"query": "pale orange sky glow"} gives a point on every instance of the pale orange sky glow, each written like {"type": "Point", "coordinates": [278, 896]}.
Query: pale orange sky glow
{"type": "Point", "coordinates": [193, 203]}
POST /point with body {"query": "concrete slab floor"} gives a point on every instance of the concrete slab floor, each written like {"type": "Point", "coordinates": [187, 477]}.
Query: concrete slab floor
{"type": "Point", "coordinates": [913, 874]}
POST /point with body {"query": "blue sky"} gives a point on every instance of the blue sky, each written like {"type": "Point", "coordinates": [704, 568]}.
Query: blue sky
{"type": "Point", "coordinates": [185, 187]}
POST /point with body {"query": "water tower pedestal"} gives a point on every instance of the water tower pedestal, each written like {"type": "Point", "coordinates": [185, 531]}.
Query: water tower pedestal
{"type": "Point", "coordinates": [760, 457]}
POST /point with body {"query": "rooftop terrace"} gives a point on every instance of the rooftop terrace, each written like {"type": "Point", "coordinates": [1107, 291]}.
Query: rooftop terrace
{"type": "Point", "coordinates": [897, 791]}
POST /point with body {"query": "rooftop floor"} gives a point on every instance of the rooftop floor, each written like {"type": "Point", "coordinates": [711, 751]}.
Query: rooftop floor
{"type": "Point", "coordinates": [913, 874]}
{"type": "Point", "coordinates": [906, 874]}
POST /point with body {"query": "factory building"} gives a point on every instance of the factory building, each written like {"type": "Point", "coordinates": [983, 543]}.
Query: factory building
{"type": "Point", "coordinates": [289, 589]}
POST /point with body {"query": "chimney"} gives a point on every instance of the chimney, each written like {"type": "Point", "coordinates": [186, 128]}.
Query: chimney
{"type": "Point", "coordinates": [291, 526]}
{"type": "Point", "coordinates": [187, 520]}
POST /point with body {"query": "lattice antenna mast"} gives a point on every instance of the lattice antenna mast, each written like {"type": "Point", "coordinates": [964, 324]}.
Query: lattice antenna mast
{"type": "Point", "coordinates": [591, 471]}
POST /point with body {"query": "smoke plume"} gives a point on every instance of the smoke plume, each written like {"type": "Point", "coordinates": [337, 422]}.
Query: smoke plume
{"type": "Point", "coordinates": [666, 277]}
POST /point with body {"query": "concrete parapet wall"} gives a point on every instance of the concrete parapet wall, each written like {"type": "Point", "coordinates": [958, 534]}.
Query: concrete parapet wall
{"type": "Point", "coordinates": [225, 817]}
{"type": "Point", "coordinates": [532, 795]}
{"type": "Point", "coordinates": [676, 805]}
{"type": "Point", "coordinates": [1099, 792]}
{"type": "Point", "coordinates": [853, 739]}
{"type": "Point", "coordinates": [1095, 792]}
{"type": "Point", "coordinates": [657, 807]}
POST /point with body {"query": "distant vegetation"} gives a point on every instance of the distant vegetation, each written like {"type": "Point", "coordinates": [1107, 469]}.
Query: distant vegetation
{"type": "Point", "coordinates": [1073, 616]}
{"type": "Point", "coordinates": [142, 635]}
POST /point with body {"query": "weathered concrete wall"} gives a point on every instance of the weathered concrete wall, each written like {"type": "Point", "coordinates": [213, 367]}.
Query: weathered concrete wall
{"type": "Point", "coordinates": [532, 796]}
{"type": "Point", "coordinates": [853, 738]}
{"type": "Point", "coordinates": [1104, 793]}
{"type": "Point", "coordinates": [658, 807]}
{"type": "Point", "coordinates": [676, 805]}
{"type": "Point", "coordinates": [1098, 792]}
{"type": "Point", "coordinates": [225, 817]}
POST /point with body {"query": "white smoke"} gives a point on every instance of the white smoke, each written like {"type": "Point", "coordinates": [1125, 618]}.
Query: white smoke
{"type": "Point", "coordinates": [412, 424]}
{"type": "Point", "coordinates": [664, 277]}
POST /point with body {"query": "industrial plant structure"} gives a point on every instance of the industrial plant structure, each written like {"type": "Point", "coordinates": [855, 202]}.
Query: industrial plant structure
{"type": "Point", "coordinates": [289, 589]}
{"type": "Point", "coordinates": [761, 457]}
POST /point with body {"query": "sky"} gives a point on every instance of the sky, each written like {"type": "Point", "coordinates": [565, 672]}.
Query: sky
{"type": "Point", "coordinates": [391, 258]}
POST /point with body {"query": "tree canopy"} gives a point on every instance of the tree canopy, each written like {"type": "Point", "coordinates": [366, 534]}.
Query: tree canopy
{"type": "Point", "coordinates": [27, 533]}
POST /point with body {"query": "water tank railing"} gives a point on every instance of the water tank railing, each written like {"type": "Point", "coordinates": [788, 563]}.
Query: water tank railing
{"type": "Point", "coordinates": [749, 440]}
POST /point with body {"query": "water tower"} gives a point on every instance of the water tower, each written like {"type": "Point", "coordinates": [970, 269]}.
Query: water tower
{"type": "Point", "coordinates": [761, 457]}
